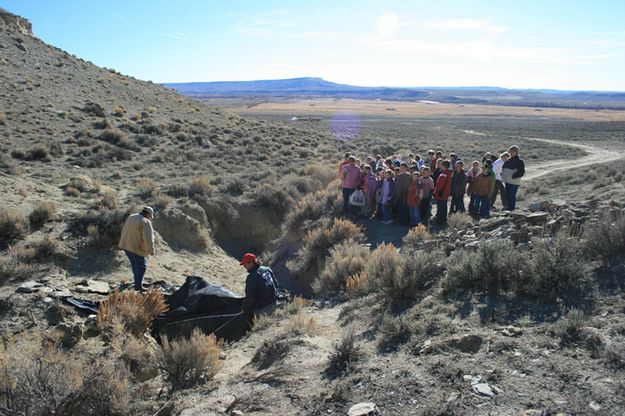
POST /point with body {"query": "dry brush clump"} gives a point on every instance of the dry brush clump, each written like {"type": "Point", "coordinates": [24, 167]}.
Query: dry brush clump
{"type": "Point", "coordinates": [134, 311]}
{"type": "Point", "coordinates": [401, 278]}
{"type": "Point", "coordinates": [606, 240]}
{"type": "Point", "coordinates": [416, 237]}
{"type": "Point", "coordinates": [312, 209]}
{"type": "Point", "coordinates": [188, 362]}
{"type": "Point", "coordinates": [347, 260]}
{"type": "Point", "coordinates": [570, 329]}
{"type": "Point", "coordinates": [44, 380]}
{"type": "Point", "coordinates": [102, 227]}
{"type": "Point", "coordinates": [13, 226]}
{"type": "Point", "coordinates": [310, 259]}
{"type": "Point", "coordinates": [554, 267]}
{"type": "Point", "coordinates": [301, 324]}
{"type": "Point", "coordinates": [345, 354]}
{"type": "Point", "coordinates": [39, 152]}
{"type": "Point", "coordinates": [42, 213]}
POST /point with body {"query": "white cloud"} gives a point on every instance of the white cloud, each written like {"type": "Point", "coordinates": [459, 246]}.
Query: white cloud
{"type": "Point", "coordinates": [175, 35]}
{"type": "Point", "coordinates": [317, 35]}
{"type": "Point", "coordinates": [266, 23]}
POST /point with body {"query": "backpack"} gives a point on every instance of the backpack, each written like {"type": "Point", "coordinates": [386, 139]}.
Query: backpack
{"type": "Point", "coordinates": [357, 198]}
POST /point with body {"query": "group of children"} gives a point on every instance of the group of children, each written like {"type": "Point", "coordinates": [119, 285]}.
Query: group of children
{"type": "Point", "coordinates": [405, 190]}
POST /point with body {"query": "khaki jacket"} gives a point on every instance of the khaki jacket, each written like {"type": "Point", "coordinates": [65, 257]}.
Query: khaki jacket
{"type": "Point", "coordinates": [483, 185]}
{"type": "Point", "coordinates": [137, 236]}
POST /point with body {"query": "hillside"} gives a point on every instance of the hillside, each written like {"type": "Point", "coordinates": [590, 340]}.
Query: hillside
{"type": "Point", "coordinates": [298, 88]}
{"type": "Point", "coordinates": [517, 314]}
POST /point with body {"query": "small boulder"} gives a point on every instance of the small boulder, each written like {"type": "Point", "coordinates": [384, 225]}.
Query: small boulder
{"type": "Point", "coordinates": [538, 218]}
{"type": "Point", "coordinates": [468, 343]}
{"type": "Point", "coordinates": [93, 286]}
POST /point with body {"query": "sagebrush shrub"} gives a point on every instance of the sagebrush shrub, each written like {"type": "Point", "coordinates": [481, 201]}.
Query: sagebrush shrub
{"type": "Point", "coordinates": [146, 187]}
{"type": "Point", "coordinates": [132, 310]}
{"type": "Point", "coordinates": [345, 354]}
{"type": "Point", "coordinates": [13, 226]}
{"type": "Point", "coordinates": [272, 199]}
{"type": "Point", "coordinates": [188, 362]}
{"type": "Point", "coordinates": [346, 259]}
{"type": "Point", "coordinates": [495, 267]}
{"type": "Point", "coordinates": [394, 330]}
{"type": "Point", "coordinates": [415, 238]}
{"type": "Point", "coordinates": [36, 380]}
{"type": "Point", "coordinates": [558, 267]}
{"type": "Point", "coordinates": [570, 328]}
{"type": "Point", "coordinates": [357, 285]}
{"type": "Point", "coordinates": [310, 258]}
{"type": "Point", "coordinates": [199, 186]}
{"type": "Point", "coordinates": [311, 209]}
{"type": "Point", "coordinates": [459, 221]}
{"type": "Point", "coordinates": [42, 213]}
{"type": "Point", "coordinates": [606, 240]}
{"type": "Point", "coordinates": [103, 227]}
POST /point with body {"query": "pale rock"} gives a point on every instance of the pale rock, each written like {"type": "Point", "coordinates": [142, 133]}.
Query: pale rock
{"type": "Point", "coordinates": [30, 287]}
{"type": "Point", "coordinates": [363, 409]}
{"type": "Point", "coordinates": [93, 286]}
{"type": "Point", "coordinates": [483, 389]}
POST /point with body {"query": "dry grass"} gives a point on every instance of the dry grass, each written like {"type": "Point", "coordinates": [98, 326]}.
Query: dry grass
{"type": "Point", "coordinates": [300, 324]}
{"type": "Point", "coordinates": [296, 306]}
{"type": "Point", "coordinates": [459, 221]}
{"type": "Point", "coordinates": [189, 362]}
{"type": "Point", "coordinates": [37, 152]}
{"type": "Point", "coordinates": [269, 352]}
{"type": "Point", "coordinates": [357, 285]}
{"type": "Point", "coordinates": [13, 226]}
{"type": "Point", "coordinates": [415, 109]}
{"type": "Point", "coordinates": [108, 200]}
{"type": "Point", "coordinates": [42, 213]}
{"type": "Point", "coordinates": [570, 329]}
{"type": "Point", "coordinates": [134, 311]}
{"type": "Point", "coordinates": [3, 118]}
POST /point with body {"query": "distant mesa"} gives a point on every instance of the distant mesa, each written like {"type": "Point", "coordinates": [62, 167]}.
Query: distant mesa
{"type": "Point", "coordinates": [311, 88]}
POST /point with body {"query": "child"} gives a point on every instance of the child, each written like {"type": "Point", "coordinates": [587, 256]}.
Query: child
{"type": "Point", "coordinates": [413, 200]}
{"type": "Point", "coordinates": [483, 190]}
{"type": "Point", "coordinates": [458, 187]}
{"type": "Point", "coordinates": [442, 191]}
{"type": "Point", "coordinates": [471, 175]}
{"type": "Point", "coordinates": [426, 186]}
{"type": "Point", "coordinates": [370, 184]}
{"type": "Point", "coordinates": [388, 189]}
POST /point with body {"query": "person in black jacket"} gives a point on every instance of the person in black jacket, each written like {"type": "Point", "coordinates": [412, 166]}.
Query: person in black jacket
{"type": "Point", "coordinates": [260, 288]}
{"type": "Point", "coordinates": [512, 172]}
{"type": "Point", "coordinates": [458, 188]}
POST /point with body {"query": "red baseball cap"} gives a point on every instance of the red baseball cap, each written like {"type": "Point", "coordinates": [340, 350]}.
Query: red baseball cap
{"type": "Point", "coordinates": [248, 258]}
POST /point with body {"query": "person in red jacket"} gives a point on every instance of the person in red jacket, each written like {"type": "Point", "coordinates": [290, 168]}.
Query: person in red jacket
{"type": "Point", "coordinates": [442, 191]}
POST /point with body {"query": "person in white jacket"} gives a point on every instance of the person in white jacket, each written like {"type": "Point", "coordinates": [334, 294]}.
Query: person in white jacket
{"type": "Point", "coordinates": [499, 186]}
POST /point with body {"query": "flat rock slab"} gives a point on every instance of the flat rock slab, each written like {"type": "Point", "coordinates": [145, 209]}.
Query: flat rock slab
{"type": "Point", "coordinates": [93, 286]}
{"type": "Point", "coordinates": [483, 389]}
{"type": "Point", "coordinates": [363, 409]}
{"type": "Point", "coordinates": [30, 287]}
{"type": "Point", "coordinates": [538, 218]}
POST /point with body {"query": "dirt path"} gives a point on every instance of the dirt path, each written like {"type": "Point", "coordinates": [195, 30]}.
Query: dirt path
{"type": "Point", "coordinates": [595, 155]}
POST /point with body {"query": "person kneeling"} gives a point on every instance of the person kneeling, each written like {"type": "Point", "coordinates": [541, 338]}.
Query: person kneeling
{"type": "Point", "coordinates": [260, 289]}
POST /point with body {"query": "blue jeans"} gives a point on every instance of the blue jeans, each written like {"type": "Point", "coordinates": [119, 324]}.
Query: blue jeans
{"type": "Point", "coordinates": [482, 206]}
{"type": "Point", "coordinates": [415, 215]}
{"type": "Point", "coordinates": [511, 191]}
{"type": "Point", "coordinates": [139, 266]}
{"type": "Point", "coordinates": [386, 212]}
{"type": "Point", "coordinates": [347, 192]}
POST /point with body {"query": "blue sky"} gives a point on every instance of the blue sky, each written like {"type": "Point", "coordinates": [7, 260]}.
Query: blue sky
{"type": "Point", "coordinates": [517, 44]}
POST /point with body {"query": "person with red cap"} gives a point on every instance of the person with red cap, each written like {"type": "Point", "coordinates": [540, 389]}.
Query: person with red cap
{"type": "Point", "coordinates": [260, 288]}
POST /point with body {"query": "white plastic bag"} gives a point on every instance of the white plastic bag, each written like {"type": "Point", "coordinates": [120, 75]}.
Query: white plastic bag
{"type": "Point", "coordinates": [357, 198]}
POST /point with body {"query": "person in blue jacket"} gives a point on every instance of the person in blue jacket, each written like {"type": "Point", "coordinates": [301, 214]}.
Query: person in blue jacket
{"type": "Point", "coordinates": [260, 288]}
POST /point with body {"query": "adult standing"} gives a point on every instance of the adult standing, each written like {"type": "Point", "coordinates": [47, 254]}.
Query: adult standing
{"type": "Point", "coordinates": [402, 182]}
{"type": "Point", "coordinates": [137, 241]}
{"type": "Point", "coordinates": [499, 187]}
{"type": "Point", "coordinates": [512, 172]}
{"type": "Point", "coordinates": [426, 187]}
{"type": "Point", "coordinates": [458, 188]}
{"type": "Point", "coordinates": [369, 186]}
{"type": "Point", "coordinates": [351, 178]}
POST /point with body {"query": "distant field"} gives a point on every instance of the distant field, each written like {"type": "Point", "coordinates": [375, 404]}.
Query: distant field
{"type": "Point", "coordinates": [326, 107]}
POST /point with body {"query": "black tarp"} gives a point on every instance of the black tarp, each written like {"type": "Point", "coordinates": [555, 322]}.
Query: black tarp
{"type": "Point", "coordinates": [201, 305]}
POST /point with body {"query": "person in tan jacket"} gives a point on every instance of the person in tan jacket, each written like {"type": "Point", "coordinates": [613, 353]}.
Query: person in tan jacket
{"type": "Point", "coordinates": [483, 191]}
{"type": "Point", "coordinates": [137, 241]}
